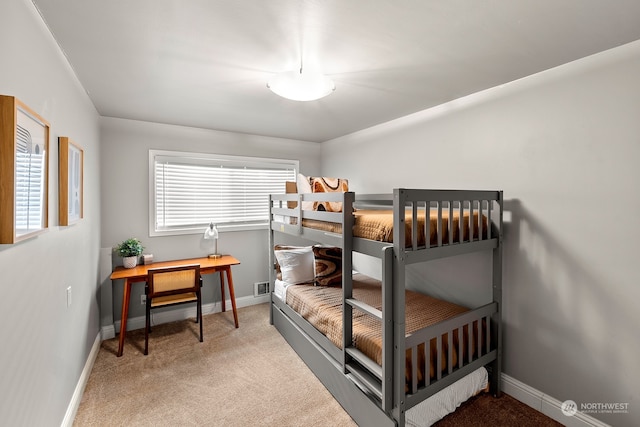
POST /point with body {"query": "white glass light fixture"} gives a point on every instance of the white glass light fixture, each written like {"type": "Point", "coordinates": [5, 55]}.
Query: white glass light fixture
{"type": "Point", "coordinates": [211, 233]}
{"type": "Point", "coordinates": [301, 85]}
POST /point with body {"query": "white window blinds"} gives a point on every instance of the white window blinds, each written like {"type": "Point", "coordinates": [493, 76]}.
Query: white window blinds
{"type": "Point", "coordinates": [191, 190]}
{"type": "Point", "coordinates": [30, 184]}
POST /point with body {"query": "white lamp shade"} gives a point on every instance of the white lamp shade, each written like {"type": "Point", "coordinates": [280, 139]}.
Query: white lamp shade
{"type": "Point", "coordinates": [304, 85]}
{"type": "Point", "coordinates": [211, 232]}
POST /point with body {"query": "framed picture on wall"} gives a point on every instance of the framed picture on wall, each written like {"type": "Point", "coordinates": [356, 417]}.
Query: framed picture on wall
{"type": "Point", "coordinates": [24, 171]}
{"type": "Point", "coordinates": [70, 181]}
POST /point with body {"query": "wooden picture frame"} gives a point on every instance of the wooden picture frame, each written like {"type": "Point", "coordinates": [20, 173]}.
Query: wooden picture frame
{"type": "Point", "coordinates": [70, 181]}
{"type": "Point", "coordinates": [24, 171]}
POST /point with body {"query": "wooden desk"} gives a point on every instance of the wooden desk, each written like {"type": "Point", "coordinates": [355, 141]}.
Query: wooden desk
{"type": "Point", "coordinates": [140, 272]}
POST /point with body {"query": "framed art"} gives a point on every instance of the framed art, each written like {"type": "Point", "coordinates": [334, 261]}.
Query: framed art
{"type": "Point", "coordinates": [24, 171]}
{"type": "Point", "coordinates": [70, 181]}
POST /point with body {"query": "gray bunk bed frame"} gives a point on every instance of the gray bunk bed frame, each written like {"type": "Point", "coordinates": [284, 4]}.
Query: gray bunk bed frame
{"type": "Point", "coordinates": [375, 395]}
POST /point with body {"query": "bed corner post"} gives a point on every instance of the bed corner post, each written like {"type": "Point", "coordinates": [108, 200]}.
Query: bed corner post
{"type": "Point", "coordinates": [271, 262]}
{"type": "Point", "coordinates": [399, 259]}
{"type": "Point", "coordinates": [387, 330]}
{"type": "Point", "coordinates": [496, 318]}
{"type": "Point", "coordinates": [347, 279]}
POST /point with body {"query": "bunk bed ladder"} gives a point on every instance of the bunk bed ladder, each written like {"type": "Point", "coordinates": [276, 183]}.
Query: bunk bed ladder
{"type": "Point", "coordinates": [363, 371]}
{"type": "Point", "coordinates": [374, 378]}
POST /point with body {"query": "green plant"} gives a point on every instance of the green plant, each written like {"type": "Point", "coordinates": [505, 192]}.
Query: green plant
{"type": "Point", "coordinates": [130, 247]}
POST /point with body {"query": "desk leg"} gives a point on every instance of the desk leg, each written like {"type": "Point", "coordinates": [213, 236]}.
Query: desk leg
{"type": "Point", "coordinates": [125, 314]}
{"type": "Point", "coordinates": [232, 295]}
{"type": "Point", "coordinates": [222, 299]}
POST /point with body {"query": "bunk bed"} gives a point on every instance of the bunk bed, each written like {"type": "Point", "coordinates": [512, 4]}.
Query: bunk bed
{"type": "Point", "coordinates": [411, 362]}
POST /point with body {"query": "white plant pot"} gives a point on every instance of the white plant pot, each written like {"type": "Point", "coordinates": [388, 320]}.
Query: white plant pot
{"type": "Point", "coordinates": [129, 261]}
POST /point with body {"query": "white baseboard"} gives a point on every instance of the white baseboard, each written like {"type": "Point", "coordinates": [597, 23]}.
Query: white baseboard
{"type": "Point", "coordinates": [548, 405]}
{"type": "Point", "coordinates": [107, 332]}
{"type": "Point", "coordinates": [74, 404]}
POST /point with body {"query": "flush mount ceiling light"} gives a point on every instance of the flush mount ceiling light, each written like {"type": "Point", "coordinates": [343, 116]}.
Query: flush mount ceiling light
{"type": "Point", "coordinates": [301, 85]}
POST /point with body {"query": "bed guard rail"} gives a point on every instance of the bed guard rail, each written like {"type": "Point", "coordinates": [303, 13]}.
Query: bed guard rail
{"type": "Point", "coordinates": [462, 344]}
{"type": "Point", "coordinates": [450, 221]}
{"type": "Point", "coordinates": [292, 207]}
{"type": "Point", "coordinates": [437, 356]}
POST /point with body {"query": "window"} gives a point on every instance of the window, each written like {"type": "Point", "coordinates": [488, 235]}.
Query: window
{"type": "Point", "coordinates": [190, 190]}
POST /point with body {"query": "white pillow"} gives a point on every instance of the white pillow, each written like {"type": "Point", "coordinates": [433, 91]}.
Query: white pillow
{"type": "Point", "coordinates": [297, 265]}
{"type": "Point", "coordinates": [304, 187]}
{"type": "Point", "coordinates": [303, 184]}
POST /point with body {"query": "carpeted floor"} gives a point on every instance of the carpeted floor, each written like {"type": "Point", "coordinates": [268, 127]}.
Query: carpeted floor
{"type": "Point", "coordinates": [237, 377]}
{"type": "Point", "coordinates": [486, 410]}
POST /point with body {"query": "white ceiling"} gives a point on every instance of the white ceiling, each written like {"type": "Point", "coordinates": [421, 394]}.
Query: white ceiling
{"type": "Point", "coordinates": [205, 63]}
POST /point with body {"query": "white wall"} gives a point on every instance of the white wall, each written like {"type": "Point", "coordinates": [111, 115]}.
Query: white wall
{"type": "Point", "coordinates": [125, 201]}
{"type": "Point", "coordinates": [45, 344]}
{"type": "Point", "coordinates": [564, 146]}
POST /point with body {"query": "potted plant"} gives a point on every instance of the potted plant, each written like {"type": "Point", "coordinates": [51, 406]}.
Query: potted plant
{"type": "Point", "coordinates": [129, 250]}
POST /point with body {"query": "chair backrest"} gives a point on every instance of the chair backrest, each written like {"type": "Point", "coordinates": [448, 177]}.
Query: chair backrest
{"type": "Point", "coordinates": [173, 280]}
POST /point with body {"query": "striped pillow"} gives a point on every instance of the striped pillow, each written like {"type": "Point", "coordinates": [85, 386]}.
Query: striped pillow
{"type": "Point", "coordinates": [328, 262]}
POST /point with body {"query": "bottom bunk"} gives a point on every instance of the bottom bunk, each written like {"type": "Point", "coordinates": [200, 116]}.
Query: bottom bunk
{"type": "Point", "coordinates": [447, 347]}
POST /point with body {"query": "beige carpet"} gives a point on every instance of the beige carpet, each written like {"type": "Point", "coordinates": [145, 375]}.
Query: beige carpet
{"type": "Point", "coordinates": [236, 377]}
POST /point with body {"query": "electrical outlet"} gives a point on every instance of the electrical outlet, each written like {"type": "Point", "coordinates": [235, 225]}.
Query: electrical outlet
{"type": "Point", "coordinates": [143, 299]}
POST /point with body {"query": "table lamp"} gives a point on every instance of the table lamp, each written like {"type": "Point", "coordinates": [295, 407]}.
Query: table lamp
{"type": "Point", "coordinates": [211, 233]}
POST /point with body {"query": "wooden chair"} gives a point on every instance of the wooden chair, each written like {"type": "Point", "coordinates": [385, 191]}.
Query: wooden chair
{"type": "Point", "coordinates": [172, 286]}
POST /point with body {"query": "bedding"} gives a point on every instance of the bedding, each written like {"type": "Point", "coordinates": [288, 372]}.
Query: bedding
{"type": "Point", "coordinates": [301, 186]}
{"type": "Point", "coordinates": [322, 307]}
{"type": "Point", "coordinates": [317, 264]}
{"type": "Point", "coordinates": [322, 184]}
{"type": "Point", "coordinates": [328, 185]}
{"type": "Point", "coordinates": [446, 401]}
{"type": "Point", "coordinates": [378, 225]}
{"type": "Point", "coordinates": [295, 264]}
{"type": "Point", "coordinates": [328, 263]}
{"type": "Point", "coordinates": [280, 289]}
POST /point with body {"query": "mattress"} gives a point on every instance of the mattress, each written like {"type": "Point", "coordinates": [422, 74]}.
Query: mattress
{"type": "Point", "coordinates": [322, 307]}
{"type": "Point", "coordinates": [378, 225]}
{"type": "Point", "coordinates": [280, 289]}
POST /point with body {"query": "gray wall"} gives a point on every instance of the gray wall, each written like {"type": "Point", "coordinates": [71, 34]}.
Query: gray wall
{"type": "Point", "coordinates": [45, 344]}
{"type": "Point", "coordinates": [564, 146]}
{"type": "Point", "coordinates": [125, 202]}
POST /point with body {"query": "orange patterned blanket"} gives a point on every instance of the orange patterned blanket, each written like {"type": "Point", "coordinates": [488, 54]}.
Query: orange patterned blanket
{"type": "Point", "coordinates": [322, 307]}
{"type": "Point", "coordinates": [378, 225]}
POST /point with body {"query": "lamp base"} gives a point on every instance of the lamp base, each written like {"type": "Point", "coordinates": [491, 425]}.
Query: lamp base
{"type": "Point", "coordinates": [215, 256]}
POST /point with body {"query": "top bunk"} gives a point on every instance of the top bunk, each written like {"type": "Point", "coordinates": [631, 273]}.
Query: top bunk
{"type": "Point", "coordinates": [367, 223]}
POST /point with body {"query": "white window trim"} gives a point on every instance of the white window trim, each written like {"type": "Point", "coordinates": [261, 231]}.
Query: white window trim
{"type": "Point", "coordinates": [205, 158]}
